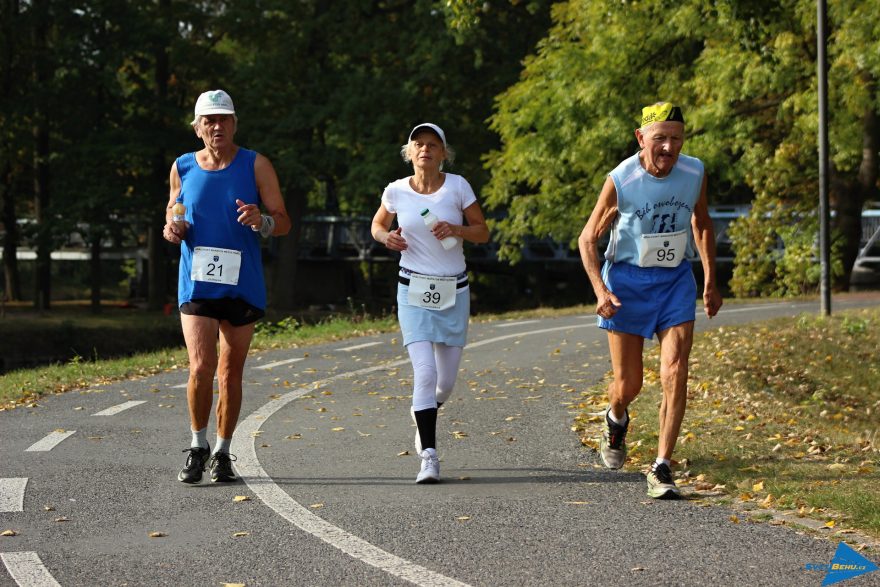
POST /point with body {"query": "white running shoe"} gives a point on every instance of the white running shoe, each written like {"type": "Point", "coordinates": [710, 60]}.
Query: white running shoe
{"type": "Point", "coordinates": [412, 414]}
{"type": "Point", "coordinates": [430, 472]}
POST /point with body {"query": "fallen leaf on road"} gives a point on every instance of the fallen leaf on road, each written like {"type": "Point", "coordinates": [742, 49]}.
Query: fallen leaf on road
{"type": "Point", "coordinates": [464, 478]}
{"type": "Point", "coordinates": [463, 518]}
{"type": "Point", "coordinates": [316, 506]}
{"type": "Point", "coordinates": [49, 508]}
{"type": "Point", "coordinates": [233, 585]}
{"type": "Point", "coordinates": [294, 437]}
{"type": "Point", "coordinates": [459, 434]}
{"type": "Point", "coordinates": [157, 534]}
{"type": "Point", "coordinates": [8, 533]}
{"type": "Point", "coordinates": [637, 569]}
{"type": "Point", "coordinates": [240, 534]}
{"type": "Point", "coordinates": [734, 519]}
{"type": "Point", "coordinates": [577, 502]}
{"type": "Point", "coordinates": [62, 519]}
{"type": "Point", "coordinates": [403, 453]}
{"type": "Point", "coordinates": [241, 498]}
{"type": "Point", "coordinates": [830, 524]}
{"type": "Point", "coordinates": [338, 429]}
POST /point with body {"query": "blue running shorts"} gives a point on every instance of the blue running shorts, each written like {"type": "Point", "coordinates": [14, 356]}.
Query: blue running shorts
{"type": "Point", "coordinates": [652, 298]}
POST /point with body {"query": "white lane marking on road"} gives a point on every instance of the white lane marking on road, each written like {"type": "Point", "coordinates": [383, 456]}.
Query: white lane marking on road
{"type": "Point", "coordinates": [12, 494]}
{"type": "Point", "coordinates": [279, 363]}
{"type": "Point", "coordinates": [119, 408]}
{"type": "Point", "coordinates": [360, 346]}
{"type": "Point", "coordinates": [520, 323]}
{"type": "Point", "coordinates": [50, 441]}
{"type": "Point", "coordinates": [256, 478]}
{"type": "Point", "coordinates": [27, 569]}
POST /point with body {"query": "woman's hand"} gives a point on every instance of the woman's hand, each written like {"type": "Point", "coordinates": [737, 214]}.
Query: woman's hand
{"type": "Point", "coordinates": [394, 240]}
{"type": "Point", "coordinates": [443, 229]}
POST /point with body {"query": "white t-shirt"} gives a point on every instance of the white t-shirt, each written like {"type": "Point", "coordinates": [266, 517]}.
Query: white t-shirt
{"type": "Point", "coordinates": [424, 253]}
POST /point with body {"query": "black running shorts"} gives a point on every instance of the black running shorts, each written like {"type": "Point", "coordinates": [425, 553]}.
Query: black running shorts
{"type": "Point", "coordinates": [235, 311]}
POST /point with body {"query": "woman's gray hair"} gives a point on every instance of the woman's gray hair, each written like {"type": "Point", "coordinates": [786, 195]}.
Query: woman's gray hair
{"type": "Point", "coordinates": [199, 117]}
{"type": "Point", "coordinates": [450, 154]}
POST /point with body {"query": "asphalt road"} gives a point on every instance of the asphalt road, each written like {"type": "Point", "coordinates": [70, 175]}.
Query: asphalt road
{"type": "Point", "coordinates": [86, 477]}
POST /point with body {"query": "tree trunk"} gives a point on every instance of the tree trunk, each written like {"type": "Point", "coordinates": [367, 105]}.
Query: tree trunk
{"type": "Point", "coordinates": [282, 291]}
{"type": "Point", "coordinates": [157, 268]}
{"type": "Point", "coordinates": [12, 280]}
{"type": "Point", "coordinates": [95, 273]}
{"type": "Point", "coordinates": [40, 130]}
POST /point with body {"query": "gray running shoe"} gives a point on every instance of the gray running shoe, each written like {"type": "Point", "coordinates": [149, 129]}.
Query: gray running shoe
{"type": "Point", "coordinates": [612, 448]}
{"type": "Point", "coordinates": [660, 483]}
{"type": "Point", "coordinates": [430, 471]}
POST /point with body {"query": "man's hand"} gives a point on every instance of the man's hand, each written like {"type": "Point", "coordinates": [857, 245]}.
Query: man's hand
{"type": "Point", "coordinates": [711, 300]}
{"type": "Point", "coordinates": [607, 304]}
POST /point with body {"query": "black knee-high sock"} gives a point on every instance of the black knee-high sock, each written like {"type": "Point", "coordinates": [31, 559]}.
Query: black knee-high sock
{"type": "Point", "coordinates": [426, 422]}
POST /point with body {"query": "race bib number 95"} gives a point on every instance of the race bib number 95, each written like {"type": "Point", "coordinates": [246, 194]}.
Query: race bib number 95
{"type": "Point", "coordinates": [216, 265]}
{"type": "Point", "coordinates": [664, 249]}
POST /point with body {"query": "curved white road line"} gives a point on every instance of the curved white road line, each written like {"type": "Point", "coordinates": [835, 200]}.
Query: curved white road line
{"type": "Point", "coordinates": [27, 569]}
{"type": "Point", "coordinates": [12, 494]}
{"type": "Point", "coordinates": [256, 478]}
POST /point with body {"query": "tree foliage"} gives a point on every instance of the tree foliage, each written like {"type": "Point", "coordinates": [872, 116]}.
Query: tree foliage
{"type": "Point", "coordinates": [745, 72]}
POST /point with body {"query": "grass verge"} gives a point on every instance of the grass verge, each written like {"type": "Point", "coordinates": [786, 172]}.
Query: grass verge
{"type": "Point", "coordinates": [781, 416]}
{"type": "Point", "coordinates": [26, 386]}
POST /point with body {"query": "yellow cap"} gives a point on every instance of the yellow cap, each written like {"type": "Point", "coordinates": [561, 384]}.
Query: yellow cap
{"type": "Point", "coordinates": [662, 112]}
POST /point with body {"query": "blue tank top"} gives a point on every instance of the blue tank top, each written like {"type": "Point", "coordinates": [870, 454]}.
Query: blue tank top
{"type": "Point", "coordinates": [651, 205]}
{"type": "Point", "coordinates": [209, 197]}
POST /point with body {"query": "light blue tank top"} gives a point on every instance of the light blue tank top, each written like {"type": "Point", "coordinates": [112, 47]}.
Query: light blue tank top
{"type": "Point", "coordinates": [650, 205]}
{"type": "Point", "coordinates": [209, 197]}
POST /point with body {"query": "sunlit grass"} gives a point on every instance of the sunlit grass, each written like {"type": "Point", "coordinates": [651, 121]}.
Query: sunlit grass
{"type": "Point", "coordinates": [782, 414]}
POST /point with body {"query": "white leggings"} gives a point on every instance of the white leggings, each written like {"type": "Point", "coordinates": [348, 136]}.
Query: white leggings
{"type": "Point", "coordinates": [435, 367]}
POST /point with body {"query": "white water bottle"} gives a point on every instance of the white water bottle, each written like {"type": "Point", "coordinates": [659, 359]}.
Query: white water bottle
{"type": "Point", "coordinates": [430, 220]}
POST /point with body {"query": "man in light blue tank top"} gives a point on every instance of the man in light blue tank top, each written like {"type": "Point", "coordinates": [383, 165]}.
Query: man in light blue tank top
{"type": "Point", "coordinates": [214, 215]}
{"type": "Point", "coordinates": [655, 205]}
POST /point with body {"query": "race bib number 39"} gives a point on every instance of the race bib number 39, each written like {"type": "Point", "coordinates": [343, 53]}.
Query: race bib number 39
{"type": "Point", "coordinates": [216, 265]}
{"type": "Point", "coordinates": [662, 249]}
{"type": "Point", "coordinates": [434, 293]}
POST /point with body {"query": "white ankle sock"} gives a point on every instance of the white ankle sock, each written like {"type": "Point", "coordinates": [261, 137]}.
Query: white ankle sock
{"type": "Point", "coordinates": [616, 420]}
{"type": "Point", "coordinates": [222, 445]}
{"type": "Point", "coordinates": [199, 438]}
{"type": "Point", "coordinates": [660, 461]}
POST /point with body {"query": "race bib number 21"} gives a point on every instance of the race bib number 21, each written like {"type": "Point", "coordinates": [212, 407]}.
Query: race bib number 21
{"type": "Point", "coordinates": [216, 265]}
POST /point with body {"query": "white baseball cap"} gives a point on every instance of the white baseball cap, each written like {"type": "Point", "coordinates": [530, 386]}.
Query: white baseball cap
{"type": "Point", "coordinates": [431, 127]}
{"type": "Point", "coordinates": [214, 102]}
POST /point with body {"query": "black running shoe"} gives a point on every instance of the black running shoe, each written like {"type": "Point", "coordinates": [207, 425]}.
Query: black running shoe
{"type": "Point", "coordinates": [221, 468]}
{"type": "Point", "coordinates": [195, 464]}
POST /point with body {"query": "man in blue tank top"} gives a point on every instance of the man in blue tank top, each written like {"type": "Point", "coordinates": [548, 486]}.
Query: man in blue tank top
{"type": "Point", "coordinates": [214, 215]}
{"type": "Point", "coordinates": [655, 205]}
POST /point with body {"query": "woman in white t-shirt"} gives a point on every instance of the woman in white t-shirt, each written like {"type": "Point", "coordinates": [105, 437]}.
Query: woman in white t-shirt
{"type": "Point", "coordinates": [433, 298]}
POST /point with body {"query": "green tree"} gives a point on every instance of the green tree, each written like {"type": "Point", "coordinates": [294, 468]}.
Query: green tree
{"type": "Point", "coordinates": [745, 72]}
